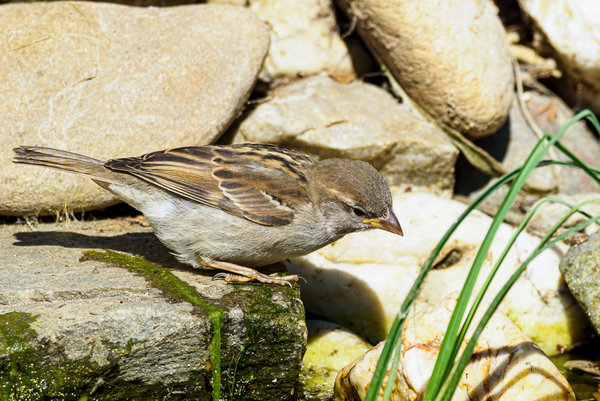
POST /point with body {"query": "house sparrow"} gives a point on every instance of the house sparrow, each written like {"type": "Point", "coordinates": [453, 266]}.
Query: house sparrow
{"type": "Point", "coordinates": [233, 207]}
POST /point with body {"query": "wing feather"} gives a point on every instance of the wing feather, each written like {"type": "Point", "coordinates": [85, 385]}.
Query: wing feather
{"type": "Point", "coordinates": [261, 183]}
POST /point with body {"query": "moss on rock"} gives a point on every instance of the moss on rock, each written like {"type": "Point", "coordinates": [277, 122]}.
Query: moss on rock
{"type": "Point", "coordinates": [34, 369]}
{"type": "Point", "coordinates": [175, 290]}
{"type": "Point", "coordinates": [251, 348]}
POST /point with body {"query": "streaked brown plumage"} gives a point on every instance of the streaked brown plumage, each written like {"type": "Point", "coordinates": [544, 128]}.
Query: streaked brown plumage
{"type": "Point", "coordinates": [230, 205]}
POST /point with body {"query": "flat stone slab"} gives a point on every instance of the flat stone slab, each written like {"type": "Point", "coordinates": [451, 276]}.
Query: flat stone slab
{"type": "Point", "coordinates": [80, 316]}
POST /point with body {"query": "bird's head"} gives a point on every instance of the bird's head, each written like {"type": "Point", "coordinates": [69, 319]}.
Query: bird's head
{"type": "Point", "coordinates": [353, 196]}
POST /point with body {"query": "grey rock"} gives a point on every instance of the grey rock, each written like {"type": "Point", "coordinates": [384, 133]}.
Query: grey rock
{"type": "Point", "coordinates": [71, 327]}
{"type": "Point", "coordinates": [326, 118]}
{"type": "Point", "coordinates": [111, 81]}
{"type": "Point", "coordinates": [581, 270]}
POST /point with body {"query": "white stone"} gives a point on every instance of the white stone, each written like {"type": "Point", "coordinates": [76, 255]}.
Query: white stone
{"type": "Point", "coordinates": [304, 40]}
{"type": "Point", "coordinates": [572, 29]}
{"type": "Point", "coordinates": [507, 367]}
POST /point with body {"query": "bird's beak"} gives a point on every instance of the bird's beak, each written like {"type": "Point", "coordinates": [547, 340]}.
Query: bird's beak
{"type": "Point", "coordinates": [389, 223]}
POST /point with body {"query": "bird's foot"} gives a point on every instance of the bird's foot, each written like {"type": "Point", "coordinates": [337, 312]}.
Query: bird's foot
{"type": "Point", "coordinates": [261, 278]}
{"type": "Point", "coordinates": [240, 274]}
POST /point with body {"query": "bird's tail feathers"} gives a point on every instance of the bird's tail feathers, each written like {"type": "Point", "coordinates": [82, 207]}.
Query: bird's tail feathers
{"type": "Point", "coordinates": [63, 160]}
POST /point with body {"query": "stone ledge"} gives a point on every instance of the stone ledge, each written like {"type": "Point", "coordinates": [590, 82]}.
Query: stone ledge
{"type": "Point", "coordinates": [114, 326]}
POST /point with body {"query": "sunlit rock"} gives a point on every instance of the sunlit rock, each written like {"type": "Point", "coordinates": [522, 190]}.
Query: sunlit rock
{"type": "Point", "coordinates": [327, 119]}
{"type": "Point", "coordinates": [330, 347]}
{"type": "Point", "coordinates": [451, 57]}
{"type": "Point", "coordinates": [506, 365]}
{"type": "Point", "coordinates": [110, 81]}
{"type": "Point", "coordinates": [304, 40]}
{"type": "Point", "coordinates": [571, 31]}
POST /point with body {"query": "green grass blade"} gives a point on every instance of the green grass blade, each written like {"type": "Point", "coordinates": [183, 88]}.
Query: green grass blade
{"type": "Point", "coordinates": [456, 373]}
{"type": "Point", "coordinates": [450, 347]}
{"type": "Point", "coordinates": [494, 270]}
{"type": "Point", "coordinates": [389, 387]}
{"type": "Point", "coordinates": [393, 337]}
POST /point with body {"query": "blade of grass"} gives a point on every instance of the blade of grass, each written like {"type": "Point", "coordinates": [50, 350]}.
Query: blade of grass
{"type": "Point", "coordinates": [456, 373]}
{"type": "Point", "coordinates": [477, 301]}
{"type": "Point", "coordinates": [393, 335]}
{"type": "Point", "coordinates": [389, 387]}
{"type": "Point", "coordinates": [449, 349]}
{"type": "Point", "coordinates": [494, 270]}
{"type": "Point", "coordinates": [590, 171]}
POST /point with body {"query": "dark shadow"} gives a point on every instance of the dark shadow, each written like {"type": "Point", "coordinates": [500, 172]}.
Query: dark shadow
{"type": "Point", "coordinates": [142, 244]}
{"type": "Point", "coordinates": [363, 61]}
{"type": "Point", "coordinates": [146, 245]}
{"type": "Point", "coordinates": [118, 210]}
{"type": "Point", "coordinates": [359, 298]}
{"type": "Point", "coordinates": [468, 178]}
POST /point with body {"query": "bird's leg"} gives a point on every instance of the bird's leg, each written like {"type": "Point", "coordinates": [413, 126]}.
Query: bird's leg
{"type": "Point", "coordinates": [243, 274]}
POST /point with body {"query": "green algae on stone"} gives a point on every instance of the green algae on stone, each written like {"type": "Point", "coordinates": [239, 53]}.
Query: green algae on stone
{"type": "Point", "coordinates": [273, 315]}
{"type": "Point", "coordinates": [16, 333]}
{"type": "Point", "coordinates": [31, 369]}
{"type": "Point", "coordinates": [175, 290]}
{"type": "Point", "coordinates": [330, 347]}
{"type": "Point", "coordinates": [581, 270]}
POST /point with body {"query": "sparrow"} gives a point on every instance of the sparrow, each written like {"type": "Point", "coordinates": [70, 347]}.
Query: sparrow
{"type": "Point", "coordinates": [238, 207]}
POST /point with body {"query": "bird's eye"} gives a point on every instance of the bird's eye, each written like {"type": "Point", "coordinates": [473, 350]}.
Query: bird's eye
{"type": "Point", "coordinates": [359, 211]}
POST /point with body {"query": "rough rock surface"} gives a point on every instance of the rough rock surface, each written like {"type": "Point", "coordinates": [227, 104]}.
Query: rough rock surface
{"type": "Point", "coordinates": [361, 280]}
{"type": "Point", "coordinates": [505, 366]}
{"type": "Point", "coordinates": [571, 29]}
{"type": "Point", "coordinates": [581, 269]}
{"type": "Point", "coordinates": [326, 118]}
{"type": "Point", "coordinates": [71, 327]}
{"type": "Point", "coordinates": [110, 81]}
{"type": "Point", "coordinates": [304, 40]}
{"type": "Point", "coordinates": [451, 57]}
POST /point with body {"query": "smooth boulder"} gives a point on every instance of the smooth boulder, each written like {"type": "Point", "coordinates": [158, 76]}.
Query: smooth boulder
{"type": "Point", "coordinates": [451, 57]}
{"type": "Point", "coordinates": [112, 81]}
{"type": "Point", "coordinates": [505, 366]}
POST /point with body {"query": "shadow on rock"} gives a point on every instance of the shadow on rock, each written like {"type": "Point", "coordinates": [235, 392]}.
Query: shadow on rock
{"type": "Point", "coordinates": [142, 244]}
{"type": "Point", "coordinates": [343, 298]}
{"type": "Point", "coordinates": [496, 380]}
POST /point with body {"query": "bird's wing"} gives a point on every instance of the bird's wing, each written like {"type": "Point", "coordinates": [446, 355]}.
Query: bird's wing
{"type": "Point", "coordinates": [262, 183]}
